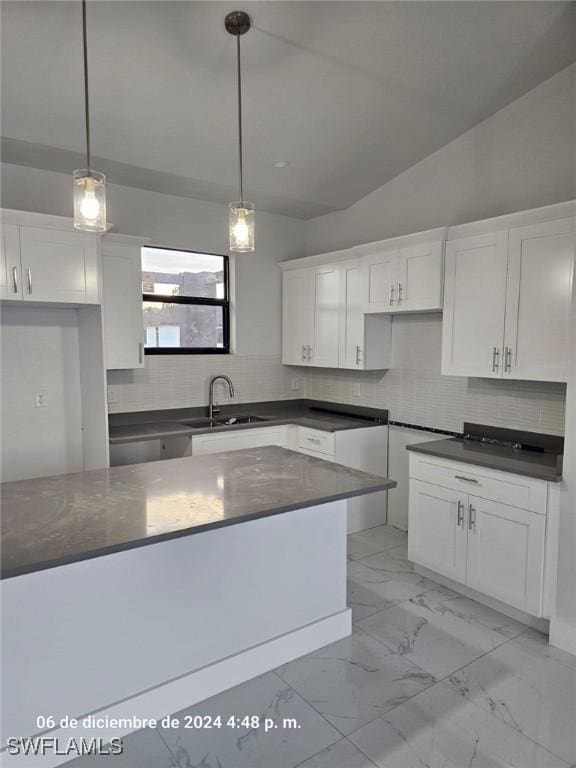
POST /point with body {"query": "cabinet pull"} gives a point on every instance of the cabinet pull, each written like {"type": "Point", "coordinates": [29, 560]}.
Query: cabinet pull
{"type": "Point", "coordinates": [495, 359]}
{"type": "Point", "coordinates": [508, 360]}
{"type": "Point", "coordinates": [358, 351]}
{"type": "Point", "coordinates": [471, 518]}
{"type": "Point", "coordinates": [466, 479]}
{"type": "Point", "coordinates": [315, 440]}
{"type": "Point", "coordinates": [392, 289]}
{"type": "Point", "coordinates": [140, 352]}
{"type": "Point", "coordinates": [460, 518]}
{"type": "Point", "coordinates": [29, 272]}
{"type": "Point", "coordinates": [15, 279]}
{"type": "Point", "coordinates": [399, 292]}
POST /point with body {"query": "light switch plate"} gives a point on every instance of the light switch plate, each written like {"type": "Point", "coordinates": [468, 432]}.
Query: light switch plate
{"type": "Point", "coordinates": [357, 389]}
{"type": "Point", "coordinates": [295, 384]}
{"type": "Point", "coordinates": [112, 395]}
{"type": "Point", "coordinates": [40, 400]}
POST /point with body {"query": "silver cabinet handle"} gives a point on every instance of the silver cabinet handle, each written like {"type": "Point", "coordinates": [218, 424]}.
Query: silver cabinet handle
{"type": "Point", "coordinates": [140, 352]}
{"type": "Point", "coordinates": [29, 271]}
{"type": "Point", "coordinates": [303, 352]}
{"type": "Point", "coordinates": [471, 518]}
{"type": "Point", "coordinates": [314, 440]}
{"type": "Point", "coordinates": [460, 518]}
{"type": "Point", "coordinates": [466, 479]}
{"type": "Point", "coordinates": [358, 352]}
{"type": "Point", "coordinates": [495, 359]}
{"type": "Point", "coordinates": [508, 360]}
{"type": "Point", "coordinates": [392, 289]}
{"type": "Point", "coordinates": [399, 292]}
{"type": "Point", "coordinates": [15, 279]}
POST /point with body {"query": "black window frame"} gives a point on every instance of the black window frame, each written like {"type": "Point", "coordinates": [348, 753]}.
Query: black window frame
{"type": "Point", "coordinates": [196, 301]}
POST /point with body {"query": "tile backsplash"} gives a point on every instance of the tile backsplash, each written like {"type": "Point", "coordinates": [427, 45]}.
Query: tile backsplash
{"type": "Point", "coordinates": [181, 381]}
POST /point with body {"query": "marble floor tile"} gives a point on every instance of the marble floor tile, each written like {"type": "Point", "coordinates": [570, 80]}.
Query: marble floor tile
{"type": "Point", "coordinates": [142, 749]}
{"type": "Point", "coordinates": [440, 729]}
{"type": "Point", "coordinates": [343, 754]}
{"type": "Point", "coordinates": [440, 630]}
{"type": "Point", "coordinates": [383, 536]}
{"type": "Point", "coordinates": [355, 680]}
{"type": "Point", "coordinates": [358, 548]}
{"type": "Point", "coordinates": [537, 643]}
{"type": "Point", "coordinates": [401, 551]}
{"type": "Point", "coordinates": [528, 691]}
{"type": "Point", "coordinates": [244, 747]}
{"type": "Point", "coordinates": [385, 565]}
{"type": "Point", "coordinates": [375, 586]}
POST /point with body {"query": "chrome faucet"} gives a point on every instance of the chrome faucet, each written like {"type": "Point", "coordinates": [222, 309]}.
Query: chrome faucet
{"type": "Point", "coordinates": [213, 407]}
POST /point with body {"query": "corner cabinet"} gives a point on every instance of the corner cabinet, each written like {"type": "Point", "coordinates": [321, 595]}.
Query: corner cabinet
{"type": "Point", "coordinates": [482, 528]}
{"type": "Point", "coordinates": [122, 301]}
{"type": "Point", "coordinates": [507, 302]}
{"type": "Point", "coordinates": [48, 261]}
{"type": "Point", "coordinates": [323, 322]}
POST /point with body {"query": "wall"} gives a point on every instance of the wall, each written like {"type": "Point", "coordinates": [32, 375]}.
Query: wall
{"type": "Point", "coordinates": [40, 354]}
{"type": "Point", "coordinates": [521, 157]}
{"type": "Point", "coordinates": [178, 381]}
{"type": "Point", "coordinates": [415, 393]}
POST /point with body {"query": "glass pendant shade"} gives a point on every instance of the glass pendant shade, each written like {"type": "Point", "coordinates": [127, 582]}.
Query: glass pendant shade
{"type": "Point", "coordinates": [241, 227]}
{"type": "Point", "coordinates": [90, 201]}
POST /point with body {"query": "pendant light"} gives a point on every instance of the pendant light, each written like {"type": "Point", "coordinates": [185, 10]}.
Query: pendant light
{"type": "Point", "coordinates": [89, 185]}
{"type": "Point", "coordinates": [242, 212]}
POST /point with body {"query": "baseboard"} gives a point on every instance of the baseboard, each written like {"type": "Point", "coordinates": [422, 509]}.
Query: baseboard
{"type": "Point", "coordinates": [199, 685]}
{"type": "Point", "coordinates": [536, 622]}
{"type": "Point", "coordinates": [563, 635]}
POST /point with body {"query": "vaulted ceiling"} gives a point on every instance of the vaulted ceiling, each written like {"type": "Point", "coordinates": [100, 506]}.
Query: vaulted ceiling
{"type": "Point", "coordinates": [349, 93]}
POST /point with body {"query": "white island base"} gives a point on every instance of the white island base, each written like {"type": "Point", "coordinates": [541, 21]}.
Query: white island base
{"type": "Point", "coordinates": [151, 630]}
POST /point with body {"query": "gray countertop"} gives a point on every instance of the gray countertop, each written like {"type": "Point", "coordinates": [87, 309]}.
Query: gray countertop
{"type": "Point", "coordinates": [48, 522]}
{"type": "Point", "coordinates": [329, 417]}
{"type": "Point", "coordinates": [544, 466]}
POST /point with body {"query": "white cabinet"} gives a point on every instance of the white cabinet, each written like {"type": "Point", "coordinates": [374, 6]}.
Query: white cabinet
{"type": "Point", "coordinates": [482, 541]}
{"type": "Point", "coordinates": [295, 316]}
{"type": "Point", "coordinates": [122, 302]}
{"type": "Point", "coordinates": [365, 341]}
{"type": "Point", "coordinates": [507, 302]}
{"type": "Point", "coordinates": [404, 274]}
{"type": "Point", "coordinates": [235, 441]}
{"type": "Point", "coordinates": [10, 268]}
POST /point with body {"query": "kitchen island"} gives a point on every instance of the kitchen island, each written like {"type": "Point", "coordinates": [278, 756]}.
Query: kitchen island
{"type": "Point", "coordinates": [140, 590]}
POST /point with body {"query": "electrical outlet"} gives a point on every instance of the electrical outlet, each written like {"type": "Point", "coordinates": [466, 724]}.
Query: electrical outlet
{"type": "Point", "coordinates": [112, 395]}
{"type": "Point", "coordinates": [40, 400]}
{"type": "Point", "coordinates": [295, 385]}
{"type": "Point", "coordinates": [357, 389]}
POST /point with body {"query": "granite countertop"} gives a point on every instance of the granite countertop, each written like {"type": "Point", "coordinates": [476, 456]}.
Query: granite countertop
{"type": "Point", "coordinates": [541, 465]}
{"type": "Point", "coordinates": [329, 417]}
{"type": "Point", "coordinates": [49, 522]}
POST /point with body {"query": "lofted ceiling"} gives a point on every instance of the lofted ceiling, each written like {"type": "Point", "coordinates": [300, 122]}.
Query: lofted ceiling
{"type": "Point", "coordinates": [349, 93]}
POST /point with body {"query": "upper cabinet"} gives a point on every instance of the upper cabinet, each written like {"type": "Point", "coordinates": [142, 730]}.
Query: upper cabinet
{"type": "Point", "coordinates": [507, 302]}
{"type": "Point", "coordinates": [47, 262]}
{"type": "Point", "coordinates": [122, 301]}
{"type": "Point", "coordinates": [404, 274]}
{"type": "Point", "coordinates": [323, 322]}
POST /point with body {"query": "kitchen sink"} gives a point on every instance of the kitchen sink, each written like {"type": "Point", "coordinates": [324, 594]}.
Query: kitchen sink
{"type": "Point", "coordinates": [223, 421]}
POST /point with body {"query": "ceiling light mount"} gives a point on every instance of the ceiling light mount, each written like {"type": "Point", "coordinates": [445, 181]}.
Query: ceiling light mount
{"type": "Point", "coordinates": [237, 23]}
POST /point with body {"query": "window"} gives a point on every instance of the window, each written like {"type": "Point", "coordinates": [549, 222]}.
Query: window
{"type": "Point", "coordinates": [186, 302]}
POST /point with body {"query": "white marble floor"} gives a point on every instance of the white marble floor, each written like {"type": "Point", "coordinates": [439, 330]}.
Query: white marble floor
{"type": "Point", "coordinates": [429, 679]}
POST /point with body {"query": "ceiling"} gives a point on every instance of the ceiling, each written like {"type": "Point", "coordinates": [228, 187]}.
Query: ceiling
{"type": "Point", "coordinates": [350, 93]}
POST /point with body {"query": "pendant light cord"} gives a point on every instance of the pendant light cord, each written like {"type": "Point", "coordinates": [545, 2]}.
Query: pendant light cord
{"type": "Point", "coordinates": [239, 120]}
{"type": "Point", "coordinates": [86, 99]}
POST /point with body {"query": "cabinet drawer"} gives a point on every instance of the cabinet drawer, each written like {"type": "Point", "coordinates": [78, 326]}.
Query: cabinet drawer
{"type": "Point", "coordinates": [244, 438]}
{"type": "Point", "coordinates": [505, 487]}
{"type": "Point", "coordinates": [316, 440]}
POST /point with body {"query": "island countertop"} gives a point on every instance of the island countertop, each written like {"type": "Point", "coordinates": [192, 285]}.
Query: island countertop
{"type": "Point", "coordinates": [49, 522]}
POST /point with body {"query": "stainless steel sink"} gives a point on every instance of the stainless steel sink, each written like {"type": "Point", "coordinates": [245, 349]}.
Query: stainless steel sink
{"type": "Point", "coordinates": [223, 421]}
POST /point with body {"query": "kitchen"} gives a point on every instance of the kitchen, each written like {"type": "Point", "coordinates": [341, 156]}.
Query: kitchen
{"type": "Point", "coordinates": [391, 369]}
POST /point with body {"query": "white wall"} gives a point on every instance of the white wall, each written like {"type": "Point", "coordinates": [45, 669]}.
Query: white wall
{"type": "Point", "coordinates": [40, 355]}
{"type": "Point", "coordinates": [522, 157]}
{"type": "Point", "coordinates": [179, 381]}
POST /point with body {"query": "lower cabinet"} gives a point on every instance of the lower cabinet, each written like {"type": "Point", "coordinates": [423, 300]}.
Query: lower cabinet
{"type": "Point", "coordinates": [486, 544]}
{"type": "Point", "coordinates": [234, 441]}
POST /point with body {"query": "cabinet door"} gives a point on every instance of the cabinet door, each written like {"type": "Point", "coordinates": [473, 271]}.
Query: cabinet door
{"type": "Point", "coordinates": [474, 306]}
{"type": "Point", "coordinates": [420, 277]}
{"type": "Point", "coordinates": [538, 303]}
{"type": "Point", "coordinates": [381, 281]}
{"type": "Point", "coordinates": [234, 441]}
{"type": "Point", "coordinates": [296, 316]}
{"type": "Point", "coordinates": [10, 272]}
{"type": "Point", "coordinates": [325, 316]}
{"type": "Point", "coordinates": [506, 553]}
{"type": "Point", "coordinates": [58, 266]}
{"type": "Point", "coordinates": [436, 530]}
{"type": "Point", "coordinates": [352, 292]}
{"type": "Point", "coordinates": [122, 306]}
